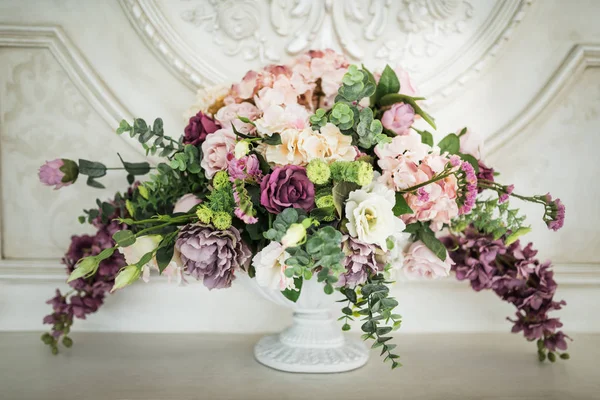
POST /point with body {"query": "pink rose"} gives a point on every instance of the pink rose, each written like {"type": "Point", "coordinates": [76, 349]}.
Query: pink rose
{"type": "Point", "coordinates": [406, 85]}
{"type": "Point", "coordinates": [420, 262]}
{"type": "Point", "coordinates": [231, 113]}
{"type": "Point", "coordinates": [471, 143]}
{"type": "Point", "coordinates": [214, 151]}
{"type": "Point", "coordinates": [186, 202]}
{"type": "Point", "coordinates": [399, 118]}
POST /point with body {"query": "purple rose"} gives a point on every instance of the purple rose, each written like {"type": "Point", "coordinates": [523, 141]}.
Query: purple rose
{"type": "Point", "coordinates": [198, 128]}
{"type": "Point", "coordinates": [287, 187]}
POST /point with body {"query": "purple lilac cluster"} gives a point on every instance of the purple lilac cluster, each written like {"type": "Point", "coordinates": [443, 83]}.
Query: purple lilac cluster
{"type": "Point", "coordinates": [554, 214]}
{"type": "Point", "coordinates": [468, 184]}
{"type": "Point", "coordinates": [517, 277]}
{"type": "Point", "coordinates": [87, 295]}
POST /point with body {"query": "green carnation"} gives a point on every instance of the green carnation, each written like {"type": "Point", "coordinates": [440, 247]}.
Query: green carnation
{"type": "Point", "coordinates": [221, 180]}
{"type": "Point", "coordinates": [221, 220]}
{"type": "Point", "coordinates": [204, 214]}
{"type": "Point", "coordinates": [364, 173]}
{"type": "Point", "coordinates": [325, 201]}
{"type": "Point", "coordinates": [318, 172]}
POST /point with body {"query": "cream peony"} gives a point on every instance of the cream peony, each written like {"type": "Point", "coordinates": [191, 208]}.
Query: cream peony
{"type": "Point", "coordinates": [269, 265]}
{"type": "Point", "coordinates": [370, 215]}
{"type": "Point", "coordinates": [288, 152]}
{"type": "Point", "coordinates": [276, 118]}
{"type": "Point", "coordinates": [339, 146]}
{"type": "Point", "coordinates": [420, 262]}
{"type": "Point", "coordinates": [215, 149]}
{"type": "Point", "coordinates": [206, 98]}
{"type": "Point", "coordinates": [299, 147]}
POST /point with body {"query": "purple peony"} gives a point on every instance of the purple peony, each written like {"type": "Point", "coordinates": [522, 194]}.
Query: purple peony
{"type": "Point", "coordinates": [212, 255]}
{"type": "Point", "coordinates": [360, 261]}
{"type": "Point", "coordinates": [287, 187]}
{"type": "Point", "coordinates": [199, 126]}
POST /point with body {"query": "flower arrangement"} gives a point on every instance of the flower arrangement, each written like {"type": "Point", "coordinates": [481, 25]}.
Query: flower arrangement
{"type": "Point", "coordinates": [312, 170]}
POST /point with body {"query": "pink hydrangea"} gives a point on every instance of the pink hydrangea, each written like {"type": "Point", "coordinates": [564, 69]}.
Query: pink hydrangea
{"type": "Point", "coordinates": [399, 118]}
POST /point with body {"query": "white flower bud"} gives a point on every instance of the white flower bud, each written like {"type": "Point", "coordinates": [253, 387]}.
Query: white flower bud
{"type": "Point", "coordinates": [295, 235]}
{"type": "Point", "coordinates": [241, 149]}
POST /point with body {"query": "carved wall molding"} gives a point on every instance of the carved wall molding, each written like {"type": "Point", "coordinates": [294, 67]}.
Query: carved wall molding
{"type": "Point", "coordinates": [255, 32]}
{"type": "Point", "coordinates": [580, 58]}
{"type": "Point", "coordinates": [91, 88]}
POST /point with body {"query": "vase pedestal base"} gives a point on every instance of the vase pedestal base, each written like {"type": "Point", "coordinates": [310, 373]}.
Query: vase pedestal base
{"type": "Point", "coordinates": [313, 344]}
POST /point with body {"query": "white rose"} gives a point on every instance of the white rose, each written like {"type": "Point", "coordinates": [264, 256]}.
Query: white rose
{"type": "Point", "coordinates": [269, 265]}
{"type": "Point", "coordinates": [370, 215]}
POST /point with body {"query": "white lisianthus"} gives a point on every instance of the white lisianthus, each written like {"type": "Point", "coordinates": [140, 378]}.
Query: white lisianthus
{"type": "Point", "coordinates": [395, 255]}
{"type": "Point", "coordinates": [142, 245]}
{"type": "Point", "coordinates": [370, 215]}
{"type": "Point", "coordinates": [270, 267]}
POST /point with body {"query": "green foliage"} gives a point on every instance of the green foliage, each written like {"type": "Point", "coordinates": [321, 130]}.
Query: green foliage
{"type": "Point", "coordinates": [422, 232]}
{"type": "Point", "coordinates": [401, 206]}
{"type": "Point", "coordinates": [124, 238]}
{"type": "Point", "coordinates": [145, 133]}
{"type": "Point", "coordinates": [187, 160]}
{"type": "Point", "coordinates": [356, 84]}
{"type": "Point", "coordinates": [342, 115]}
{"type": "Point", "coordinates": [369, 130]}
{"type": "Point", "coordinates": [450, 144]}
{"type": "Point", "coordinates": [388, 83]}
{"type": "Point", "coordinates": [340, 193]}
{"type": "Point", "coordinates": [293, 294]}
{"type": "Point", "coordinates": [283, 221]}
{"type": "Point", "coordinates": [494, 218]}
{"type": "Point", "coordinates": [318, 119]}
{"type": "Point", "coordinates": [376, 307]}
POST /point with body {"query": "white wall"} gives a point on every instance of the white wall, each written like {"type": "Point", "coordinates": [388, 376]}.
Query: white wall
{"type": "Point", "coordinates": [522, 73]}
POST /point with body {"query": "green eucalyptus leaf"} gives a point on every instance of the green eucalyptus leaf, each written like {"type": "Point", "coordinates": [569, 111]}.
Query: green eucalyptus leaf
{"type": "Point", "coordinates": [93, 169]}
{"type": "Point", "coordinates": [124, 238]}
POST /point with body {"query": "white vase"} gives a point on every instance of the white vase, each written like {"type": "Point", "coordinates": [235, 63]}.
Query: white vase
{"type": "Point", "coordinates": [314, 343]}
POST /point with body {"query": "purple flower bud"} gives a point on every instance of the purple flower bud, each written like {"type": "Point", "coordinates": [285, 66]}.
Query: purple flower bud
{"type": "Point", "coordinates": [59, 172]}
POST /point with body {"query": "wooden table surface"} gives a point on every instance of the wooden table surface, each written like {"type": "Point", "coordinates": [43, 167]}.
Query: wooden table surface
{"type": "Point", "coordinates": [221, 366]}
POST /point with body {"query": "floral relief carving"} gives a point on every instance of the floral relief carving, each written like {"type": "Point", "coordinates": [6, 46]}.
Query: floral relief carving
{"type": "Point", "coordinates": [426, 25]}
{"type": "Point", "coordinates": [235, 27]}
